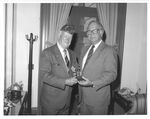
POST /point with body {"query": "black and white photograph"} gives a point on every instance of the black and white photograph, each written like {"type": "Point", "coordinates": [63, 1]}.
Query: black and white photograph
{"type": "Point", "coordinates": [74, 58]}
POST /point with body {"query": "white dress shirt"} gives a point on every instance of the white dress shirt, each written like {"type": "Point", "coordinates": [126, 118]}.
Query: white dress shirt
{"type": "Point", "coordinates": [62, 52]}
{"type": "Point", "coordinates": [86, 54]}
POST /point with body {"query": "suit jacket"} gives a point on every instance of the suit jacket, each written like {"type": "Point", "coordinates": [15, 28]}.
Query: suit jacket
{"type": "Point", "coordinates": [55, 94]}
{"type": "Point", "coordinates": [102, 70]}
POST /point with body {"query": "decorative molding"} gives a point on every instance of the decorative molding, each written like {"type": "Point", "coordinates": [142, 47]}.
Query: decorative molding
{"type": "Point", "coordinates": [14, 42]}
{"type": "Point", "coordinates": [5, 83]}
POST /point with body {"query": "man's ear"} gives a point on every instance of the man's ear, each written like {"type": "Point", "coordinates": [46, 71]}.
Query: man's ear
{"type": "Point", "coordinates": [101, 32]}
{"type": "Point", "coordinates": [59, 34]}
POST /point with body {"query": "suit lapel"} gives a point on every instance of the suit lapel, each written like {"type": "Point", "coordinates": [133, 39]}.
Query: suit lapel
{"type": "Point", "coordinates": [59, 57]}
{"type": "Point", "coordinates": [71, 58]}
{"type": "Point", "coordinates": [95, 54]}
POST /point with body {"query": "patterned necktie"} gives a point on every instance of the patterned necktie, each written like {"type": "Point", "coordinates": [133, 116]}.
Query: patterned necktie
{"type": "Point", "coordinates": [66, 58]}
{"type": "Point", "coordinates": [89, 54]}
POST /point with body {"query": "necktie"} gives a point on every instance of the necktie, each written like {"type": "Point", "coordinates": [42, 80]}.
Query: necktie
{"type": "Point", "coordinates": [66, 58]}
{"type": "Point", "coordinates": [89, 54]}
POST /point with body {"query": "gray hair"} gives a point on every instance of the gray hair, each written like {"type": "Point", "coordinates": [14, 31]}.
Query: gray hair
{"type": "Point", "coordinates": [97, 22]}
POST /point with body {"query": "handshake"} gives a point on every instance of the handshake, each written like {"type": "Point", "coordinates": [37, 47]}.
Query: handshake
{"type": "Point", "coordinates": [76, 77]}
{"type": "Point", "coordinates": [79, 79]}
{"type": "Point", "coordinates": [73, 80]}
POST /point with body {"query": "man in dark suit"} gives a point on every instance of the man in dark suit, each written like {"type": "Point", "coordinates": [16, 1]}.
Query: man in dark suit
{"type": "Point", "coordinates": [57, 64]}
{"type": "Point", "coordinates": [98, 69]}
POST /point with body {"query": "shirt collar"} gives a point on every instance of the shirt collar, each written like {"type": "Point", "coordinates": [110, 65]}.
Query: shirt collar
{"type": "Point", "coordinates": [62, 50]}
{"type": "Point", "coordinates": [97, 44]}
{"type": "Point", "coordinates": [60, 47]}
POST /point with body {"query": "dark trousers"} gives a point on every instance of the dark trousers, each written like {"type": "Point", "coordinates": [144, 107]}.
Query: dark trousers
{"type": "Point", "coordinates": [50, 111]}
{"type": "Point", "coordinates": [86, 109]}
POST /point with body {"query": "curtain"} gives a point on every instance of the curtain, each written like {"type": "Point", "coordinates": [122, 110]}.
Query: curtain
{"type": "Point", "coordinates": [107, 14]}
{"type": "Point", "coordinates": [53, 17]}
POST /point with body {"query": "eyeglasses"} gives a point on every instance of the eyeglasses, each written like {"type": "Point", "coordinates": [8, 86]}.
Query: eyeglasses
{"type": "Point", "coordinates": [90, 32]}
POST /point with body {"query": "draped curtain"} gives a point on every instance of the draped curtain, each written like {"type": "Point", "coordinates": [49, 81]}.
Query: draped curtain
{"type": "Point", "coordinates": [53, 17]}
{"type": "Point", "coordinates": [107, 13]}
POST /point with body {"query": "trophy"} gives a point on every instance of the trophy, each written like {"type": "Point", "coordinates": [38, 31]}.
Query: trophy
{"type": "Point", "coordinates": [79, 74]}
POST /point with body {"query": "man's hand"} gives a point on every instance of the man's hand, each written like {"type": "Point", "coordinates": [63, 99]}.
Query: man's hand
{"type": "Point", "coordinates": [86, 82]}
{"type": "Point", "coordinates": [71, 81]}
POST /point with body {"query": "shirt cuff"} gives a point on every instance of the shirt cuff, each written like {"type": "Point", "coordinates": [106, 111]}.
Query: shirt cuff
{"type": "Point", "coordinates": [93, 86]}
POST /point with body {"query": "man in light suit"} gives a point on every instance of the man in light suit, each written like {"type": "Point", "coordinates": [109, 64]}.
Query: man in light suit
{"type": "Point", "coordinates": [98, 70]}
{"type": "Point", "coordinates": [57, 64]}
